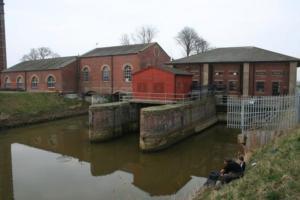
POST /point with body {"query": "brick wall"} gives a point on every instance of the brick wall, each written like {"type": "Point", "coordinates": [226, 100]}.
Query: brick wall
{"type": "Point", "coordinates": [116, 65]}
{"type": "Point", "coordinates": [112, 120]}
{"type": "Point", "coordinates": [164, 125]}
{"type": "Point", "coordinates": [64, 83]}
{"type": "Point", "coordinates": [195, 69]}
{"type": "Point", "coordinates": [228, 75]}
{"type": "Point", "coordinates": [153, 56]}
{"type": "Point", "coordinates": [269, 73]}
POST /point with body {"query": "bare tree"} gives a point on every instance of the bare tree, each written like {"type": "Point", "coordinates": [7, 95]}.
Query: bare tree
{"type": "Point", "coordinates": [192, 43]}
{"type": "Point", "coordinates": [201, 45]}
{"type": "Point", "coordinates": [39, 53]}
{"type": "Point", "coordinates": [144, 35]}
{"type": "Point", "coordinates": [32, 55]}
{"type": "Point", "coordinates": [125, 39]}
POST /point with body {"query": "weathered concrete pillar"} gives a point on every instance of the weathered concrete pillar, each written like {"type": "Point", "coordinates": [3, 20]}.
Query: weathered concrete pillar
{"type": "Point", "coordinates": [6, 178]}
{"type": "Point", "coordinates": [111, 120]}
{"type": "Point", "coordinates": [293, 77]}
{"type": "Point", "coordinates": [205, 74]}
{"type": "Point", "coordinates": [164, 125]}
{"type": "Point", "coordinates": [246, 79]}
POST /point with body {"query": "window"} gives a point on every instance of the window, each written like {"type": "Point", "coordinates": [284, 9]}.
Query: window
{"type": "Point", "coordinates": [232, 85]}
{"type": "Point", "coordinates": [19, 82]}
{"type": "Point", "coordinates": [219, 73]}
{"type": "Point", "coordinates": [50, 82]}
{"type": "Point", "coordinates": [234, 73]}
{"type": "Point", "coordinates": [127, 73]}
{"type": "Point", "coordinates": [85, 73]}
{"type": "Point", "coordinates": [7, 83]}
{"type": "Point", "coordinates": [278, 73]}
{"type": "Point", "coordinates": [105, 73]}
{"type": "Point", "coordinates": [260, 73]}
{"type": "Point", "coordinates": [156, 52]}
{"type": "Point", "coordinates": [260, 86]}
{"type": "Point", "coordinates": [34, 82]}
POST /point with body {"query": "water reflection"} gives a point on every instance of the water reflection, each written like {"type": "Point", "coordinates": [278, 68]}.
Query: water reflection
{"type": "Point", "coordinates": [56, 161]}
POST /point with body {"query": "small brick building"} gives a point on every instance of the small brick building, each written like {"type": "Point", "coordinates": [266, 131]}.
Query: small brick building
{"type": "Point", "coordinates": [248, 71]}
{"type": "Point", "coordinates": [161, 83]}
{"type": "Point", "coordinates": [48, 75]}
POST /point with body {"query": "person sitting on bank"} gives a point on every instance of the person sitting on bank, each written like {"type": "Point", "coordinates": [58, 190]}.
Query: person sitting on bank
{"type": "Point", "coordinates": [231, 171]}
{"type": "Point", "coordinates": [242, 163]}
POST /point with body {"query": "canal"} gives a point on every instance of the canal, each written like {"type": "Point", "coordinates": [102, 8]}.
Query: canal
{"type": "Point", "coordinates": [55, 160]}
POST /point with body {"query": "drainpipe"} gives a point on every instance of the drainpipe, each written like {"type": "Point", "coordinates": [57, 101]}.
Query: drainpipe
{"type": "Point", "coordinates": [25, 81]}
{"type": "Point", "coordinates": [112, 74]}
{"type": "Point", "coordinates": [77, 73]}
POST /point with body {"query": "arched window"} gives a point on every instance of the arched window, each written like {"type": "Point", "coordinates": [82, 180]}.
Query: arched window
{"type": "Point", "coordinates": [85, 73]}
{"type": "Point", "coordinates": [127, 73]}
{"type": "Point", "coordinates": [51, 82]}
{"type": "Point", "coordinates": [6, 82]}
{"type": "Point", "coordinates": [34, 82]}
{"type": "Point", "coordinates": [20, 82]}
{"type": "Point", "coordinates": [105, 73]}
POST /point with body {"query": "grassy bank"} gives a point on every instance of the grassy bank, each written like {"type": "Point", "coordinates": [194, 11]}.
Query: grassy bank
{"type": "Point", "coordinates": [276, 175]}
{"type": "Point", "coordinates": [20, 106]}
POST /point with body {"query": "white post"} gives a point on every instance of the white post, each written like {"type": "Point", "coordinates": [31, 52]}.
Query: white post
{"type": "Point", "coordinates": [293, 78]}
{"type": "Point", "coordinates": [246, 79]}
{"type": "Point", "coordinates": [205, 74]}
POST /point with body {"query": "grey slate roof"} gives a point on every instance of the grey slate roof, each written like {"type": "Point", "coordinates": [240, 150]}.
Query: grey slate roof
{"type": "Point", "coordinates": [175, 71]}
{"type": "Point", "coordinates": [117, 50]}
{"type": "Point", "coordinates": [168, 69]}
{"type": "Point", "coordinates": [236, 54]}
{"type": "Point", "coordinates": [45, 64]}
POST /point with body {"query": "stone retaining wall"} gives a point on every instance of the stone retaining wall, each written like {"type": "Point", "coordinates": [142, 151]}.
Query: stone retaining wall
{"type": "Point", "coordinates": [111, 120]}
{"type": "Point", "coordinates": [161, 126]}
{"type": "Point", "coordinates": [258, 138]}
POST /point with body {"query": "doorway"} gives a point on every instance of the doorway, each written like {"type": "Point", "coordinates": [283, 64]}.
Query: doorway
{"type": "Point", "coordinates": [275, 88]}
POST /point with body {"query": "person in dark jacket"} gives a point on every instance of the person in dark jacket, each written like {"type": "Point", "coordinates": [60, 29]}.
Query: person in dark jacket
{"type": "Point", "coordinates": [242, 163]}
{"type": "Point", "coordinates": [231, 171]}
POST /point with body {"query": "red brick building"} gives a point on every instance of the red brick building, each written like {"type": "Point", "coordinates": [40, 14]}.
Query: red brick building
{"type": "Point", "coordinates": [161, 83]}
{"type": "Point", "coordinates": [48, 75]}
{"type": "Point", "coordinates": [101, 71]}
{"type": "Point", "coordinates": [248, 71]}
{"type": "Point", "coordinates": [109, 70]}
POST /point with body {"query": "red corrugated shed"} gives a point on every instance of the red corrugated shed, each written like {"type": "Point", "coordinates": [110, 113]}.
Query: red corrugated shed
{"type": "Point", "coordinates": [161, 83]}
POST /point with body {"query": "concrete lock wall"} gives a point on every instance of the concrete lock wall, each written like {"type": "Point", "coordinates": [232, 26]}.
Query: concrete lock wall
{"type": "Point", "coordinates": [111, 120]}
{"type": "Point", "coordinates": [161, 126]}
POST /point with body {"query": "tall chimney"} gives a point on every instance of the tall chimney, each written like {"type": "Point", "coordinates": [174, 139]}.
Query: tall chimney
{"type": "Point", "coordinates": [2, 38]}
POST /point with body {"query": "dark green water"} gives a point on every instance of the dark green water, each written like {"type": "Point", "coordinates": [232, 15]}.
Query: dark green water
{"type": "Point", "coordinates": [56, 161]}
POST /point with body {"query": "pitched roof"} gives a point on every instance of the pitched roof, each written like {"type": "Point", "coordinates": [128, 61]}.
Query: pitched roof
{"type": "Point", "coordinates": [236, 54]}
{"type": "Point", "coordinates": [168, 69]}
{"type": "Point", "coordinates": [175, 71]}
{"type": "Point", "coordinates": [117, 50]}
{"type": "Point", "coordinates": [44, 64]}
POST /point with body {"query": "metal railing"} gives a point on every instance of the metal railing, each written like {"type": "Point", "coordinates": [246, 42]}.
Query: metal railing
{"type": "Point", "coordinates": [263, 113]}
{"type": "Point", "coordinates": [160, 98]}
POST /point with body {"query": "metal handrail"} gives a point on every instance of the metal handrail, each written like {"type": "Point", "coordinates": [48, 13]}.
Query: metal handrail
{"type": "Point", "coordinates": [166, 98]}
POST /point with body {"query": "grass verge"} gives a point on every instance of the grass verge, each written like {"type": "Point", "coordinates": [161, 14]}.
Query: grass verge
{"type": "Point", "coordinates": [276, 175]}
{"type": "Point", "coordinates": [18, 105]}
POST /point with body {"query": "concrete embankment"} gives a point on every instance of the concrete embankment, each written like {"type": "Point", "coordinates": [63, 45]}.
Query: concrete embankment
{"type": "Point", "coordinates": [159, 126]}
{"type": "Point", "coordinates": [162, 126]}
{"type": "Point", "coordinates": [112, 120]}
{"type": "Point", "coordinates": [21, 108]}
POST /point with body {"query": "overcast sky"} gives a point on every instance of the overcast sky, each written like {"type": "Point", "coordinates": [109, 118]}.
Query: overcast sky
{"type": "Point", "coordinates": [72, 27]}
